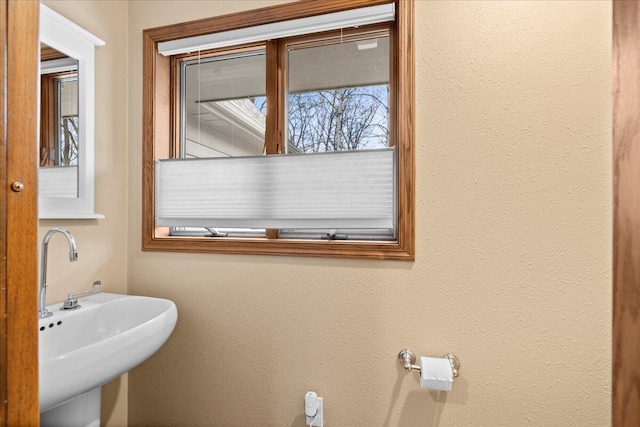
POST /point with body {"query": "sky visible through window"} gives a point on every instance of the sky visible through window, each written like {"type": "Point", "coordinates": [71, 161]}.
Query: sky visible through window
{"type": "Point", "coordinates": [337, 119]}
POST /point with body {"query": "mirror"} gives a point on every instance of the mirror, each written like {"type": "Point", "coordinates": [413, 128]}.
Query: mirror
{"type": "Point", "coordinates": [67, 105]}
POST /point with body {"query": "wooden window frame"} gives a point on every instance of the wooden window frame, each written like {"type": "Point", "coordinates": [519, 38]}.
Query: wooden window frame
{"type": "Point", "coordinates": [48, 53]}
{"type": "Point", "coordinates": [159, 109]}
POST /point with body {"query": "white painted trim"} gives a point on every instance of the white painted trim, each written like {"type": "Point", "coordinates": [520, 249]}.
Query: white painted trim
{"type": "Point", "coordinates": [68, 38]}
{"type": "Point", "coordinates": [49, 14]}
{"type": "Point", "coordinates": [72, 216]}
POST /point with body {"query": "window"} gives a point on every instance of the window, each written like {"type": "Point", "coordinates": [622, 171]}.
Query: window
{"type": "Point", "coordinates": [343, 89]}
{"type": "Point", "coordinates": [59, 130]}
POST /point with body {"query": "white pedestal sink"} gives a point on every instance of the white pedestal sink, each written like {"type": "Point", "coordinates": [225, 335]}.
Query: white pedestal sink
{"type": "Point", "coordinates": [82, 349]}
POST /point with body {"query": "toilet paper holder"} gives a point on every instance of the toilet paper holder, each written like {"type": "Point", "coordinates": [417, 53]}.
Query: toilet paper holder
{"type": "Point", "coordinates": [407, 358]}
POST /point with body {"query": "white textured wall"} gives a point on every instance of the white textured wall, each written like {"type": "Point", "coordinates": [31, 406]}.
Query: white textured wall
{"type": "Point", "coordinates": [102, 244]}
{"type": "Point", "coordinates": [513, 260]}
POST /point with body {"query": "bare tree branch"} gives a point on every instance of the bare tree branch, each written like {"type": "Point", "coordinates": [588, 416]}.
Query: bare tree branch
{"type": "Point", "coordinates": [339, 119]}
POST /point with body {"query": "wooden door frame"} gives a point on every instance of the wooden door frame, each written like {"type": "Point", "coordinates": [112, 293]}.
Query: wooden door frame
{"type": "Point", "coordinates": [626, 214]}
{"type": "Point", "coordinates": [18, 213]}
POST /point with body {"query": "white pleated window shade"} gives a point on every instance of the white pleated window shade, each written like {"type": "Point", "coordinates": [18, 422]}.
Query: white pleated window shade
{"type": "Point", "coordinates": [348, 189]}
{"type": "Point", "coordinates": [276, 30]}
{"type": "Point", "coordinates": [58, 181]}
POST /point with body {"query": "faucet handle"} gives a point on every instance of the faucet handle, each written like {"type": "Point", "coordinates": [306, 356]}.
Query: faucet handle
{"type": "Point", "coordinates": [71, 303]}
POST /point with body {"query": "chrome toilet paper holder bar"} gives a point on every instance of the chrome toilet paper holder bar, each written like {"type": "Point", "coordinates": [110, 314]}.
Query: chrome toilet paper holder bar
{"type": "Point", "coordinates": [407, 358]}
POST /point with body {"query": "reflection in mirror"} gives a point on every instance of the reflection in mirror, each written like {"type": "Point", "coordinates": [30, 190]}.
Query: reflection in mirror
{"type": "Point", "coordinates": [66, 155]}
{"type": "Point", "coordinates": [59, 123]}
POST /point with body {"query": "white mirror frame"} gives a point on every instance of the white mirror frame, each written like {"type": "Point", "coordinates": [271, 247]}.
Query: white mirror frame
{"type": "Point", "coordinates": [66, 37]}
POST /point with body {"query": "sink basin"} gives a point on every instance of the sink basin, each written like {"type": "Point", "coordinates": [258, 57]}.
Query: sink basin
{"type": "Point", "coordinates": [82, 349]}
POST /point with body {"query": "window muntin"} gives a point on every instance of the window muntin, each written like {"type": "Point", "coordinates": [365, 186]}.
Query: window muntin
{"type": "Point", "coordinates": [156, 135]}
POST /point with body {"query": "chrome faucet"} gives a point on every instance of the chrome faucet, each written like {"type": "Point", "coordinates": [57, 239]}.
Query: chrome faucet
{"type": "Point", "coordinates": [73, 257]}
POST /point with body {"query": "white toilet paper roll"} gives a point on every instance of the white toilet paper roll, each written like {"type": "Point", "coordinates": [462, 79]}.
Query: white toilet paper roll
{"type": "Point", "coordinates": [436, 373]}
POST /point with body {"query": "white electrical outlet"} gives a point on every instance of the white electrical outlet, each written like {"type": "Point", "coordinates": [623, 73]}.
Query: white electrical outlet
{"type": "Point", "coordinates": [313, 409]}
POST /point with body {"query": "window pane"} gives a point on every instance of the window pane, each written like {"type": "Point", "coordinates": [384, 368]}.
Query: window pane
{"type": "Point", "coordinates": [338, 99]}
{"type": "Point", "coordinates": [338, 96]}
{"type": "Point", "coordinates": [222, 106]}
{"type": "Point", "coordinates": [68, 121]}
{"type": "Point", "coordinates": [223, 109]}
